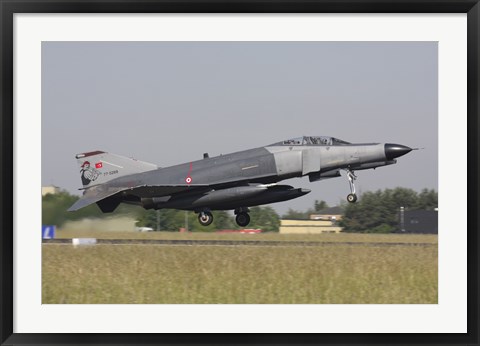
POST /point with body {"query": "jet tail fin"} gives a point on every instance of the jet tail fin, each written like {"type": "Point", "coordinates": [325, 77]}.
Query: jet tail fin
{"type": "Point", "coordinates": [98, 167]}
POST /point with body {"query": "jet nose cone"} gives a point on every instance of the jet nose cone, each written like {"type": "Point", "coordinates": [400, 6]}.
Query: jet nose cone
{"type": "Point", "coordinates": [395, 150]}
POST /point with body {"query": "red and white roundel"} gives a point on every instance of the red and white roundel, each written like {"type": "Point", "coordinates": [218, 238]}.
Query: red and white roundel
{"type": "Point", "coordinates": [188, 180]}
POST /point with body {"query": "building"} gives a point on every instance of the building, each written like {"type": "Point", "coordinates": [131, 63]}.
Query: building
{"type": "Point", "coordinates": [331, 214]}
{"type": "Point", "coordinates": [308, 227]}
{"type": "Point", "coordinates": [50, 189]}
{"type": "Point", "coordinates": [419, 221]}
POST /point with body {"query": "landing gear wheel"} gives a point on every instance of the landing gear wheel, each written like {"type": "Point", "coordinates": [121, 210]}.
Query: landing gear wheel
{"type": "Point", "coordinates": [242, 219]}
{"type": "Point", "coordinates": [352, 198]}
{"type": "Point", "coordinates": [205, 218]}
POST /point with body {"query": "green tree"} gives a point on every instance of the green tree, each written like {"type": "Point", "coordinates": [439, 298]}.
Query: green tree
{"type": "Point", "coordinates": [55, 206]}
{"type": "Point", "coordinates": [264, 218]}
{"type": "Point", "coordinates": [378, 211]}
{"type": "Point", "coordinates": [148, 218]}
{"type": "Point", "coordinates": [427, 200]}
{"type": "Point", "coordinates": [296, 215]}
{"type": "Point", "coordinates": [172, 220]}
{"type": "Point", "coordinates": [305, 215]}
{"type": "Point", "coordinates": [320, 205]}
{"type": "Point", "coordinates": [223, 220]}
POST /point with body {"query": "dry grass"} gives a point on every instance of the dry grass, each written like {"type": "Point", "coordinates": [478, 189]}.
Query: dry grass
{"type": "Point", "coordinates": [150, 274]}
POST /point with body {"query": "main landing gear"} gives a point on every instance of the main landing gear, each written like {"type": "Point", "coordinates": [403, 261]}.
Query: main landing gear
{"type": "Point", "coordinates": [242, 218]}
{"type": "Point", "coordinates": [205, 218]}
{"type": "Point", "coordinates": [352, 197]}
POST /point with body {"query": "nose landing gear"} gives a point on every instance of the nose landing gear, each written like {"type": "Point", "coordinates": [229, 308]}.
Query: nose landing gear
{"type": "Point", "coordinates": [352, 197]}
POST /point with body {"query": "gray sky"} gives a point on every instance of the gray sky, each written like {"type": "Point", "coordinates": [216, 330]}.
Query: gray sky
{"type": "Point", "coordinates": [169, 102]}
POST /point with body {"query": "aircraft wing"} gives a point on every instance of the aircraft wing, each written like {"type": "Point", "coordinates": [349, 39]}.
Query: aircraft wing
{"type": "Point", "coordinates": [98, 193]}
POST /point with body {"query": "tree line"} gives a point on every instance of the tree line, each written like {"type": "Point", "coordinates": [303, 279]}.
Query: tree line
{"type": "Point", "coordinates": [375, 212]}
{"type": "Point", "coordinates": [264, 218]}
{"type": "Point", "coordinates": [378, 212]}
{"type": "Point", "coordinates": [54, 212]}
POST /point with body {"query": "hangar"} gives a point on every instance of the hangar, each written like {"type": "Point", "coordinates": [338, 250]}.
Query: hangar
{"type": "Point", "coordinates": [419, 221]}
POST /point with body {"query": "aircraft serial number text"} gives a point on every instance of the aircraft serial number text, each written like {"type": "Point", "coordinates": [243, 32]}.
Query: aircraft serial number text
{"type": "Point", "coordinates": [110, 173]}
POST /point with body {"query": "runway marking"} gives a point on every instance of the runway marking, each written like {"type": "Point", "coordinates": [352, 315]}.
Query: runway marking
{"type": "Point", "coordinates": [231, 243]}
{"type": "Point", "coordinates": [249, 167]}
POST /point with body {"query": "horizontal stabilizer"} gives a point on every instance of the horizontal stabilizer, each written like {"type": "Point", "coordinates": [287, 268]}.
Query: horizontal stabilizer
{"type": "Point", "coordinates": [83, 202]}
{"type": "Point", "coordinates": [93, 195]}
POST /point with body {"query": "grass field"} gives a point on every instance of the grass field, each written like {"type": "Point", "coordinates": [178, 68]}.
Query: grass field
{"type": "Point", "coordinates": [150, 274]}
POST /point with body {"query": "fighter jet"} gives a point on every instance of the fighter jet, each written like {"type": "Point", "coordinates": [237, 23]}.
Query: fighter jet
{"type": "Point", "coordinates": [234, 181]}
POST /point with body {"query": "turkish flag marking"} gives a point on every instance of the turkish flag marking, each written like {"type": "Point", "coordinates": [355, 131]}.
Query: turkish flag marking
{"type": "Point", "coordinates": [98, 165]}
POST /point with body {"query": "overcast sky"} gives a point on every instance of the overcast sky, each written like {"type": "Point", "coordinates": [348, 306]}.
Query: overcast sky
{"type": "Point", "coordinates": [169, 102]}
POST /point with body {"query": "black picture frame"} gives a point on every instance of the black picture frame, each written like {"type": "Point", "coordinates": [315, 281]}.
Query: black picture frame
{"type": "Point", "coordinates": [10, 7]}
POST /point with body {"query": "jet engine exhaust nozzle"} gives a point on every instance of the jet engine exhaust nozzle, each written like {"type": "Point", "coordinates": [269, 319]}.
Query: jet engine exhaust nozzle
{"type": "Point", "coordinates": [393, 151]}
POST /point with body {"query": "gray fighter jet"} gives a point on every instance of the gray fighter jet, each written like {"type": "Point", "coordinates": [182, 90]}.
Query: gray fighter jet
{"type": "Point", "coordinates": [227, 182]}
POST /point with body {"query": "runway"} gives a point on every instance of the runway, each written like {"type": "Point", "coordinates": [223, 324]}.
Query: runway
{"type": "Point", "coordinates": [234, 243]}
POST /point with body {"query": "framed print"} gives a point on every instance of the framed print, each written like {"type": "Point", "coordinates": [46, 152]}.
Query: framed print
{"type": "Point", "coordinates": [175, 81]}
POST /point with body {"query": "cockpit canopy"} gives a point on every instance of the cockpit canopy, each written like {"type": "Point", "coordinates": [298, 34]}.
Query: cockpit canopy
{"type": "Point", "coordinates": [312, 140]}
